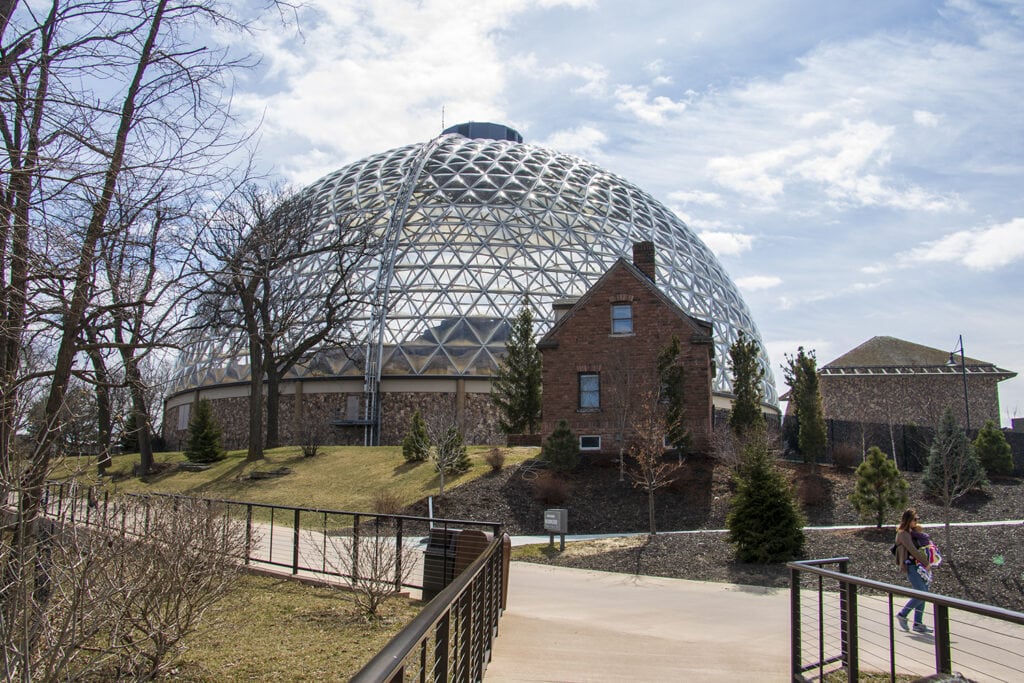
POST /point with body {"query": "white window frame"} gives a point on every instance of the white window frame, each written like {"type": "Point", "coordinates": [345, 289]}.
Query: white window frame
{"type": "Point", "coordinates": [590, 436]}
{"type": "Point", "coordinates": [621, 322]}
{"type": "Point", "coordinates": [596, 391]}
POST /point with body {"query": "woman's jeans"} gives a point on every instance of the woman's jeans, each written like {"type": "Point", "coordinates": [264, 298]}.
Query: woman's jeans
{"type": "Point", "coordinates": [917, 582]}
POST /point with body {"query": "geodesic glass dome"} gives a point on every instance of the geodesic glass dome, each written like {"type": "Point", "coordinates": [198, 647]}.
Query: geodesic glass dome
{"type": "Point", "coordinates": [467, 228]}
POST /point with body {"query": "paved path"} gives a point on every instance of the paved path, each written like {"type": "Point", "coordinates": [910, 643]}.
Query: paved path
{"type": "Point", "coordinates": [578, 625]}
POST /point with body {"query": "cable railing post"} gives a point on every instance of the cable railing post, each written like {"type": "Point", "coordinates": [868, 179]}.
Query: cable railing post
{"type": "Point", "coordinates": [943, 657]}
{"type": "Point", "coordinates": [849, 629]}
{"type": "Point", "coordinates": [794, 623]}
{"type": "Point", "coordinates": [398, 553]}
{"type": "Point", "coordinates": [441, 647]}
{"type": "Point", "coordinates": [355, 548]}
{"type": "Point", "coordinates": [248, 532]}
{"type": "Point", "coordinates": [295, 543]}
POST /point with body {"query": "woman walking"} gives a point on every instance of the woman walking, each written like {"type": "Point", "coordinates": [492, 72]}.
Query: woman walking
{"type": "Point", "coordinates": [911, 556]}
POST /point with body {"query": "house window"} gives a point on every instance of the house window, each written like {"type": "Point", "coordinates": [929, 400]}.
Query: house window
{"type": "Point", "coordinates": [590, 443]}
{"type": "Point", "coordinates": [622, 319]}
{"type": "Point", "coordinates": [590, 390]}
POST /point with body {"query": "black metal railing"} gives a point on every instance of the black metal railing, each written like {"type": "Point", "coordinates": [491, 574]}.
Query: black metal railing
{"type": "Point", "coordinates": [407, 551]}
{"type": "Point", "coordinates": [452, 638]}
{"type": "Point", "coordinates": [843, 626]}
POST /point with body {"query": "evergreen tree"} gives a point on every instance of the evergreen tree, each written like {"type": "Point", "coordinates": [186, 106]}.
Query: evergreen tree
{"type": "Point", "coordinates": [130, 434]}
{"type": "Point", "coordinates": [993, 451]}
{"type": "Point", "coordinates": [671, 374]}
{"type": "Point", "coordinates": [764, 521]}
{"type": "Point", "coordinates": [561, 451]}
{"type": "Point", "coordinates": [747, 375]}
{"type": "Point", "coordinates": [953, 468]}
{"type": "Point", "coordinates": [203, 435]}
{"type": "Point", "coordinates": [801, 373]}
{"type": "Point", "coordinates": [880, 487]}
{"type": "Point", "coordinates": [416, 443]}
{"type": "Point", "coordinates": [517, 382]}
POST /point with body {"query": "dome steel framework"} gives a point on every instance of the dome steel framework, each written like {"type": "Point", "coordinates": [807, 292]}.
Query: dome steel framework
{"type": "Point", "coordinates": [467, 228]}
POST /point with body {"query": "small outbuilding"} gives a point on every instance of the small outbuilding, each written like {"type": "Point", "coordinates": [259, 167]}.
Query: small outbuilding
{"type": "Point", "coordinates": [601, 357]}
{"type": "Point", "coordinates": [889, 380]}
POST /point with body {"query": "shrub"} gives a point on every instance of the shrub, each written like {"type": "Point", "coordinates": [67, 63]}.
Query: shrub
{"type": "Point", "coordinates": [495, 458]}
{"type": "Point", "coordinates": [846, 456]}
{"type": "Point", "coordinates": [813, 490]}
{"type": "Point", "coordinates": [562, 450]}
{"type": "Point", "coordinates": [764, 521]}
{"type": "Point", "coordinates": [416, 444]}
{"type": "Point", "coordinates": [880, 487]}
{"type": "Point", "coordinates": [386, 502]}
{"type": "Point", "coordinates": [953, 468]}
{"type": "Point", "coordinates": [550, 489]}
{"type": "Point", "coordinates": [203, 435]}
{"type": "Point", "coordinates": [451, 453]}
{"type": "Point", "coordinates": [993, 451]}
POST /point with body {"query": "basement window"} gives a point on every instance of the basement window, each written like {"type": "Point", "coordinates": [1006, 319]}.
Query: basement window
{"type": "Point", "coordinates": [590, 443]}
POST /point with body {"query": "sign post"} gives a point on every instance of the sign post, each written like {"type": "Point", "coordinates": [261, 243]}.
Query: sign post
{"type": "Point", "coordinates": [556, 521]}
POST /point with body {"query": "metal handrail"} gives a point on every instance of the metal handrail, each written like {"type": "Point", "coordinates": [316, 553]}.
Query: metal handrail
{"type": "Point", "coordinates": [849, 653]}
{"type": "Point", "coordinates": [812, 567]}
{"type": "Point", "coordinates": [389, 661]}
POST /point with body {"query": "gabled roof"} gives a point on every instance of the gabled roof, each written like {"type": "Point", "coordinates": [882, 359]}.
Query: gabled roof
{"type": "Point", "coordinates": [892, 356]}
{"type": "Point", "coordinates": [700, 327]}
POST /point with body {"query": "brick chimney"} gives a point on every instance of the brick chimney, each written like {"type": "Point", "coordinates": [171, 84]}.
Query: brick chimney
{"type": "Point", "coordinates": [643, 258]}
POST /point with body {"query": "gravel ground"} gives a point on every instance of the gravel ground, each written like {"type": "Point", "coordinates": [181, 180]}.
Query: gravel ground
{"type": "Point", "coordinates": [983, 564]}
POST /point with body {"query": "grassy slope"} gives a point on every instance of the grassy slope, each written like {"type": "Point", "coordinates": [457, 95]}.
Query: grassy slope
{"type": "Point", "coordinates": [338, 478]}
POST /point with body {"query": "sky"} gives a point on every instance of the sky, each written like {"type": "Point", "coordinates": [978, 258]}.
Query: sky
{"type": "Point", "coordinates": [858, 168]}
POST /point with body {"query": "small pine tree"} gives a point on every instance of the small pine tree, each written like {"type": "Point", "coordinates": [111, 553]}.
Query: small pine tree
{"type": "Point", "coordinates": [203, 435]}
{"type": "Point", "coordinates": [801, 374]}
{"type": "Point", "coordinates": [130, 434]}
{"type": "Point", "coordinates": [516, 389]}
{"type": "Point", "coordinates": [880, 487]}
{"type": "Point", "coordinates": [764, 521]}
{"type": "Point", "coordinates": [452, 453]}
{"type": "Point", "coordinates": [561, 451]}
{"type": "Point", "coordinates": [953, 467]}
{"type": "Point", "coordinates": [993, 451]}
{"type": "Point", "coordinates": [671, 374]}
{"type": "Point", "coordinates": [416, 444]}
{"type": "Point", "coordinates": [747, 375]}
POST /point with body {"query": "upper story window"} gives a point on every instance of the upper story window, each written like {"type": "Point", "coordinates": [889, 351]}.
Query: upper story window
{"type": "Point", "coordinates": [590, 390]}
{"type": "Point", "coordinates": [622, 318]}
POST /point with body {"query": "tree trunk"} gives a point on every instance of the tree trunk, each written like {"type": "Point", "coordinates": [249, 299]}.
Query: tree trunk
{"type": "Point", "coordinates": [650, 510]}
{"type": "Point", "coordinates": [273, 404]}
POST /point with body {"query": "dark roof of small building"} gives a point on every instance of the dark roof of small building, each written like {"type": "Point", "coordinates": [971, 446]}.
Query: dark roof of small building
{"type": "Point", "coordinates": [889, 355]}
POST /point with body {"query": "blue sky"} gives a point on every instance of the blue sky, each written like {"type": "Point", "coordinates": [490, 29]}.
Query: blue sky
{"type": "Point", "coordinates": [857, 167]}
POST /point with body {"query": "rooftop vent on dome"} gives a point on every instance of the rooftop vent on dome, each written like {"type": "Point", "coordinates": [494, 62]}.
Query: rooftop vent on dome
{"type": "Point", "coordinates": [485, 131]}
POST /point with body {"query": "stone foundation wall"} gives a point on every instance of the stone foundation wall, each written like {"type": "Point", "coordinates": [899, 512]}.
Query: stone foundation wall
{"type": "Point", "coordinates": [318, 410]}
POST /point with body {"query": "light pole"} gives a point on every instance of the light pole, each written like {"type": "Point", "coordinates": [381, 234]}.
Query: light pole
{"type": "Point", "coordinates": [963, 372]}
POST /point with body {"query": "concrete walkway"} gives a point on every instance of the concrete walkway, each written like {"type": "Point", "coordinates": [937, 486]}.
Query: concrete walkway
{"type": "Point", "coordinates": [577, 625]}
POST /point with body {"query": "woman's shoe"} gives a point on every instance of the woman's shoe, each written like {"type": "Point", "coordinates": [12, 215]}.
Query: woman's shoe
{"type": "Point", "coordinates": [902, 619]}
{"type": "Point", "coordinates": [921, 628]}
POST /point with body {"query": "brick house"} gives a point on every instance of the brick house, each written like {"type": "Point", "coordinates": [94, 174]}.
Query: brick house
{"type": "Point", "coordinates": [601, 356]}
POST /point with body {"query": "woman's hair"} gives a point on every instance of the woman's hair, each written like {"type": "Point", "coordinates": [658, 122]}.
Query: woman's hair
{"type": "Point", "coordinates": [909, 520]}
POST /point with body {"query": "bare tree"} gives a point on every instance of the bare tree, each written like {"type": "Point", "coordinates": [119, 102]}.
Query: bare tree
{"type": "Point", "coordinates": [270, 258]}
{"type": "Point", "coordinates": [372, 564]}
{"type": "Point", "coordinates": [93, 92]}
{"type": "Point", "coordinates": [446, 443]}
{"type": "Point", "coordinates": [651, 473]}
{"type": "Point", "coordinates": [94, 604]}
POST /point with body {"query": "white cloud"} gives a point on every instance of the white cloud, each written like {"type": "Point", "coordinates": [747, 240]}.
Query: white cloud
{"type": "Point", "coordinates": [926, 119]}
{"type": "Point", "coordinates": [983, 249]}
{"type": "Point", "coordinates": [727, 243]}
{"type": "Point", "coordinates": [813, 118]}
{"type": "Point", "coordinates": [755, 283]}
{"type": "Point", "coordinates": [637, 101]}
{"type": "Point", "coordinates": [593, 77]}
{"type": "Point", "coordinates": [584, 141]}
